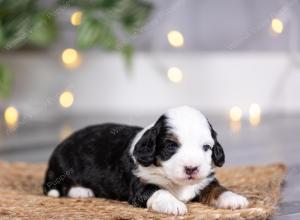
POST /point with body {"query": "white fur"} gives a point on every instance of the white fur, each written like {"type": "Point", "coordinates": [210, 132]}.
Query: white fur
{"type": "Point", "coordinates": [53, 193]}
{"type": "Point", "coordinates": [164, 202]}
{"type": "Point", "coordinates": [186, 193]}
{"type": "Point", "coordinates": [192, 130]}
{"type": "Point", "coordinates": [230, 200]}
{"type": "Point", "coordinates": [80, 192]}
{"type": "Point", "coordinates": [155, 175]}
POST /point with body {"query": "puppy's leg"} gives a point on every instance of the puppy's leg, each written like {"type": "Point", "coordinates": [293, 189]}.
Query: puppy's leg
{"type": "Point", "coordinates": [217, 195]}
{"type": "Point", "coordinates": [154, 198]}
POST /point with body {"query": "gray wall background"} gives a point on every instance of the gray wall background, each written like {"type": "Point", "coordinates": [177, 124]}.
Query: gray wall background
{"type": "Point", "coordinates": [212, 25]}
{"type": "Point", "coordinates": [230, 57]}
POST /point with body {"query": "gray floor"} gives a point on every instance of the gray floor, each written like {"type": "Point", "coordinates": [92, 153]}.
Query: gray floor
{"type": "Point", "coordinates": [276, 139]}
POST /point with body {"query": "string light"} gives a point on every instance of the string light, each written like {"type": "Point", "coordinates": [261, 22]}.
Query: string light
{"type": "Point", "coordinates": [175, 38]}
{"type": "Point", "coordinates": [11, 116]}
{"type": "Point", "coordinates": [175, 75]}
{"type": "Point", "coordinates": [71, 58]}
{"type": "Point", "coordinates": [277, 26]}
{"type": "Point", "coordinates": [76, 18]}
{"type": "Point", "coordinates": [66, 99]}
{"type": "Point", "coordinates": [235, 113]}
{"type": "Point", "coordinates": [254, 114]}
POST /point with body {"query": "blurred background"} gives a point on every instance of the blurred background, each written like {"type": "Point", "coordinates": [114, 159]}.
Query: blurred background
{"type": "Point", "coordinates": [66, 64]}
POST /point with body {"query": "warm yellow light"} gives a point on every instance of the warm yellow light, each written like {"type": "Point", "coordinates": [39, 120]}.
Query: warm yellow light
{"type": "Point", "coordinates": [175, 38]}
{"type": "Point", "coordinates": [277, 25]}
{"type": "Point", "coordinates": [254, 114]}
{"type": "Point", "coordinates": [175, 74]}
{"type": "Point", "coordinates": [76, 18]}
{"type": "Point", "coordinates": [70, 58]}
{"type": "Point", "coordinates": [254, 110]}
{"type": "Point", "coordinates": [65, 132]}
{"type": "Point", "coordinates": [11, 116]}
{"type": "Point", "coordinates": [235, 113]}
{"type": "Point", "coordinates": [66, 99]}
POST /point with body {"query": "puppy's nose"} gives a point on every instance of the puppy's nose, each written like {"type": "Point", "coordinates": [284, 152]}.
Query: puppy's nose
{"type": "Point", "coordinates": [190, 170]}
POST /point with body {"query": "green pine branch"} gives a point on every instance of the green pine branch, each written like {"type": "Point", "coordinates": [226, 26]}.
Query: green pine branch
{"type": "Point", "coordinates": [5, 81]}
{"type": "Point", "coordinates": [105, 24]}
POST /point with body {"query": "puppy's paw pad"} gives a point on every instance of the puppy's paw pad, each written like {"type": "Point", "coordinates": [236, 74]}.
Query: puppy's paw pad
{"type": "Point", "coordinates": [230, 200]}
{"type": "Point", "coordinates": [164, 202]}
{"type": "Point", "coordinates": [80, 192]}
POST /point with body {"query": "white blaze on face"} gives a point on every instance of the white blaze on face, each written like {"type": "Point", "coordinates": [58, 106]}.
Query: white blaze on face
{"type": "Point", "coordinates": [192, 131]}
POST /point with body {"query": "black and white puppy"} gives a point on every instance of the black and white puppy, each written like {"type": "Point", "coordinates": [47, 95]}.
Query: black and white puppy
{"type": "Point", "coordinates": [160, 167]}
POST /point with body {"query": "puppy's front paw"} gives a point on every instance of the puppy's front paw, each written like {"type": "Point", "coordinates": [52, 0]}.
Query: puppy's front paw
{"type": "Point", "coordinates": [80, 192]}
{"type": "Point", "coordinates": [164, 202]}
{"type": "Point", "coordinates": [230, 200]}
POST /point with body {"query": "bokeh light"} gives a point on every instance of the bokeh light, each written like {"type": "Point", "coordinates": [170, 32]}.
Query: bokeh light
{"type": "Point", "coordinates": [175, 75]}
{"type": "Point", "coordinates": [76, 18]}
{"type": "Point", "coordinates": [235, 113]}
{"type": "Point", "coordinates": [277, 26]}
{"type": "Point", "coordinates": [175, 38]}
{"type": "Point", "coordinates": [11, 116]}
{"type": "Point", "coordinates": [71, 58]}
{"type": "Point", "coordinates": [254, 114]}
{"type": "Point", "coordinates": [66, 99]}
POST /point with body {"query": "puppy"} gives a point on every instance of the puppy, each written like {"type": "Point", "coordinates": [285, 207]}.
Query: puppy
{"type": "Point", "coordinates": [161, 167]}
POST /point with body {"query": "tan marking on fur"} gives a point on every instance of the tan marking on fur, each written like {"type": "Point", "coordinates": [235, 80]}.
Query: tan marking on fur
{"type": "Point", "coordinates": [211, 193]}
{"type": "Point", "coordinates": [172, 137]}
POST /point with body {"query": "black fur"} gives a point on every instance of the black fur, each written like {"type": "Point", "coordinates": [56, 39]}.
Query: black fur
{"type": "Point", "coordinates": [96, 154]}
{"type": "Point", "coordinates": [98, 158]}
{"type": "Point", "coordinates": [153, 146]}
{"type": "Point", "coordinates": [144, 152]}
{"type": "Point", "coordinates": [218, 154]}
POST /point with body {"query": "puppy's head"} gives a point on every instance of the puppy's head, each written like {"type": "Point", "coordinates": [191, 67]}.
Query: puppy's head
{"type": "Point", "coordinates": [182, 145]}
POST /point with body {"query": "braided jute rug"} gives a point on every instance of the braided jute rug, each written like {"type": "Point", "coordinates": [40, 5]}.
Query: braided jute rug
{"type": "Point", "coordinates": [21, 196]}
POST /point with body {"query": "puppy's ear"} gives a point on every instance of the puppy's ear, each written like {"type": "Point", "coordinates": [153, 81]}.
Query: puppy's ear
{"type": "Point", "coordinates": [218, 155]}
{"type": "Point", "coordinates": [144, 150]}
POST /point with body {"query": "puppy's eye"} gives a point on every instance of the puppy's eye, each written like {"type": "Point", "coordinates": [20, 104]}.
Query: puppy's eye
{"type": "Point", "coordinates": [170, 145]}
{"type": "Point", "coordinates": [206, 147]}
